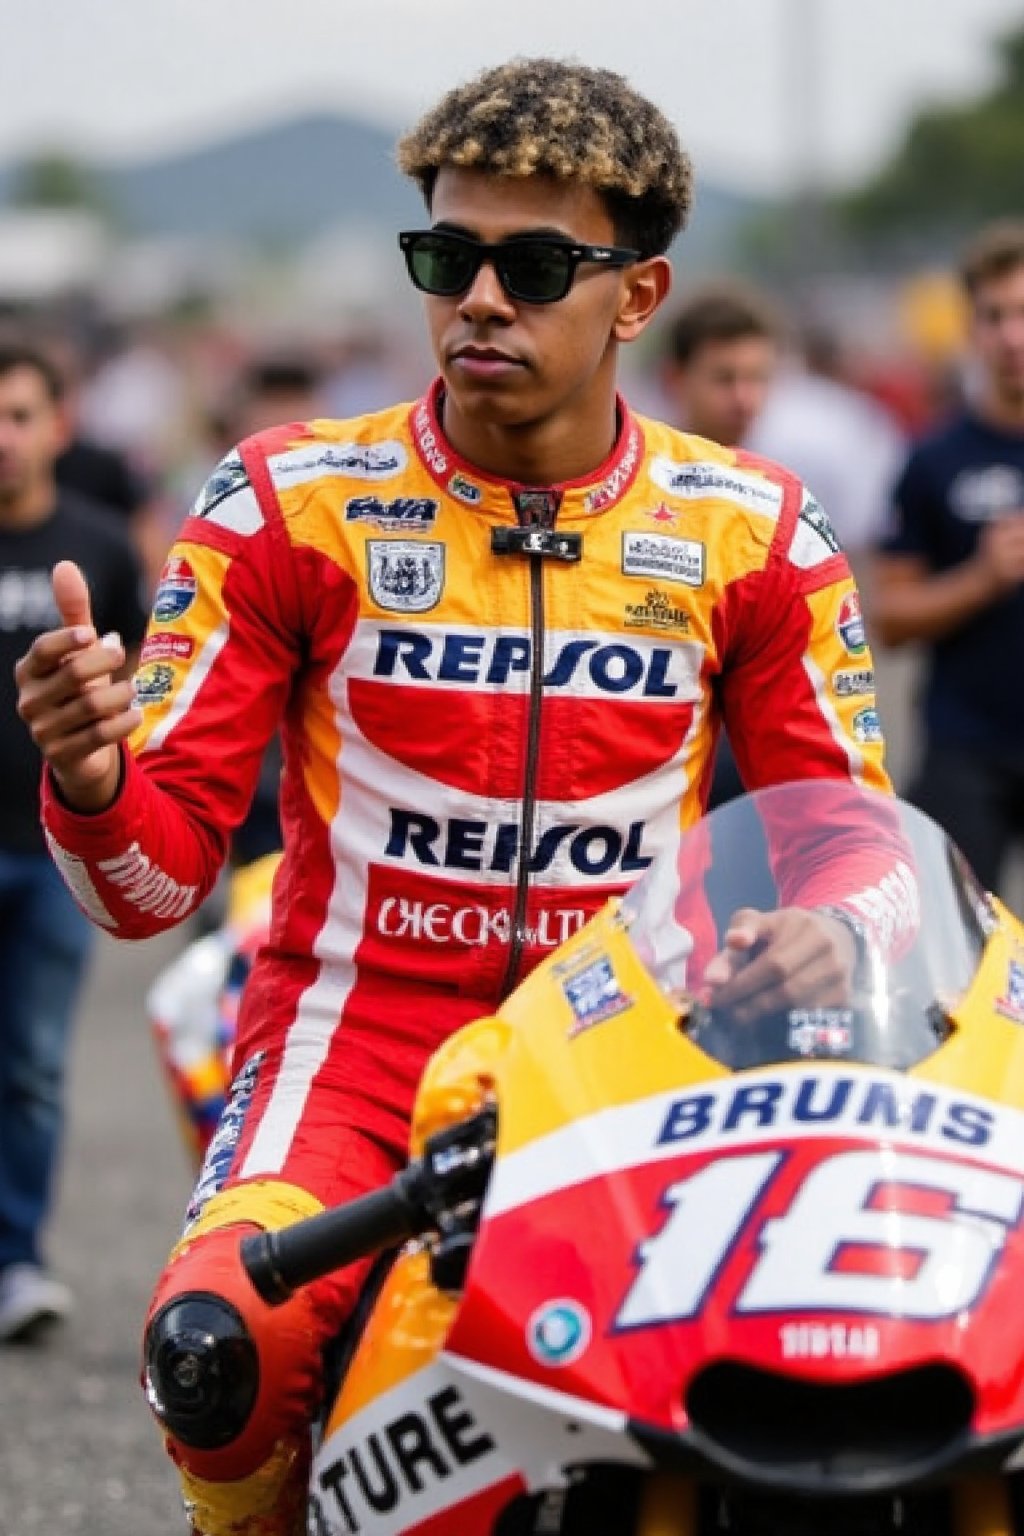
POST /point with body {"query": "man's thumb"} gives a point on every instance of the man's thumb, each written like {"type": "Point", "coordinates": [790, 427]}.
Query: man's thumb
{"type": "Point", "coordinates": [71, 594]}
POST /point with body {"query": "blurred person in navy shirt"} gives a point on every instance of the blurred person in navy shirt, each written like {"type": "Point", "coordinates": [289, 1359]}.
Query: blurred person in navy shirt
{"type": "Point", "coordinates": [950, 572]}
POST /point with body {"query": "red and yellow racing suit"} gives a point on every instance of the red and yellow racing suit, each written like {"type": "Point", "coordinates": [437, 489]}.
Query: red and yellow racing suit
{"type": "Point", "coordinates": [498, 703]}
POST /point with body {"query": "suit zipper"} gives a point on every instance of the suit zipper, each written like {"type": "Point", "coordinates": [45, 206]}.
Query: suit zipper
{"type": "Point", "coordinates": [518, 934]}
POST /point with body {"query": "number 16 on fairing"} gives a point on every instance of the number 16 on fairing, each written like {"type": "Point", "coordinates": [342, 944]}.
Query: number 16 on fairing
{"type": "Point", "coordinates": [899, 1234]}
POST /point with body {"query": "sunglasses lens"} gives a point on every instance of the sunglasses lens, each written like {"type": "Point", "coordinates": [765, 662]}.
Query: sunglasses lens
{"type": "Point", "coordinates": [535, 272]}
{"type": "Point", "coordinates": [442, 266]}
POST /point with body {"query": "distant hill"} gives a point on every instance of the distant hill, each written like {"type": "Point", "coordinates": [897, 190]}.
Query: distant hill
{"type": "Point", "coordinates": [287, 182]}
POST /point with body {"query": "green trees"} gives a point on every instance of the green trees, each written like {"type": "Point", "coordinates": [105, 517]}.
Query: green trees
{"type": "Point", "coordinates": [958, 166]}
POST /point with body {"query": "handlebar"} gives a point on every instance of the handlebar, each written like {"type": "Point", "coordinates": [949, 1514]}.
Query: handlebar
{"type": "Point", "coordinates": [420, 1199]}
{"type": "Point", "coordinates": [279, 1262]}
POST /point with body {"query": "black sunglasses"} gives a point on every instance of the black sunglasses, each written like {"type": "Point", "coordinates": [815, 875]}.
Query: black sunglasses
{"type": "Point", "coordinates": [535, 269]}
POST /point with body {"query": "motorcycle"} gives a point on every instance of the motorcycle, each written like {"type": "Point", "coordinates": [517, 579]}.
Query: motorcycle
{"type": "Point", "coordinates": [656, 1270]}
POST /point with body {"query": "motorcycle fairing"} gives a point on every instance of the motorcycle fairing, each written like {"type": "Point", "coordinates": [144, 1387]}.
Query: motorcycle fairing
{"type": "Point", "coordinates": [588, 1063]}
{"type": "Point", "coordinates": [443, 1444]}
{"type": "Point", "coordinates": [596, 1125]}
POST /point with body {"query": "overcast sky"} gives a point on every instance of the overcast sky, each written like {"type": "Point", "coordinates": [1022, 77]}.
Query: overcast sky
{"type": "Point", "coordinates": [759, 89]}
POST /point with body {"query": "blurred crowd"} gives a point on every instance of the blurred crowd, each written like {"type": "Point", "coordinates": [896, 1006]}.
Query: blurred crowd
{"type": "Point", "coordinates": [154, 403]}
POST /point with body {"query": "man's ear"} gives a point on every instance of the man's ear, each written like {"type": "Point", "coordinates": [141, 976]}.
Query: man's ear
{"type": "Point", "coordinates": [645, 289]}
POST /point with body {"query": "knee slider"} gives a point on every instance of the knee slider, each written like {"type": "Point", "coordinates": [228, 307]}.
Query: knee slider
{"type": "Point", "coordinates": [201, 1370]}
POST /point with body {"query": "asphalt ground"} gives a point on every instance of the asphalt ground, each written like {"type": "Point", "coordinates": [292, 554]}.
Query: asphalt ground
{"type": "Point", "coordinates": [79, 1454]}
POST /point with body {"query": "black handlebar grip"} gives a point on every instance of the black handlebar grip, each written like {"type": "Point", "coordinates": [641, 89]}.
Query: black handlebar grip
{"type": "Point", "coordinates": [279, 1262]}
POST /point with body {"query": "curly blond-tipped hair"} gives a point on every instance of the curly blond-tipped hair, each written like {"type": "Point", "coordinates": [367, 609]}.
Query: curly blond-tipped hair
{"type": "Point", "coordinates": [547, 117]}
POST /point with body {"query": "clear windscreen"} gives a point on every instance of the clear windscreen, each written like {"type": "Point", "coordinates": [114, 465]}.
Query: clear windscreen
{"type": "Point", "coordinates": [919, 918]}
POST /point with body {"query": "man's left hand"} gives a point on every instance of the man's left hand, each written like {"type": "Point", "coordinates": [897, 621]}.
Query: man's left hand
{"type": "Point", "coordinates": [791, 958]}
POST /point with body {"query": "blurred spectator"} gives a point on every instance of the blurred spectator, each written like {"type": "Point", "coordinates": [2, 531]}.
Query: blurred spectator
{"type": "Point", "coordinates": [366, 374]}
{"type": "Point", "coordinates": [109, 476]}
{"type": "Point", "coordinates": [844, 446]}
{"type": "Point", "coordinates": [951, 573]}
{"type": "Point", "coordinates": [722, 352]}
{"type": "Point", "coordinates": [44, 938]}
{"type": "Point", "coordinates": [135, 399]}
{"type": "Point", "coordinates": [721, 356]}
{"type": "Point", "coordinates": [280, 387]}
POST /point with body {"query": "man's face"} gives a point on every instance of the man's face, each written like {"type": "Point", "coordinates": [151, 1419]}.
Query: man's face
{"type": "Point", "coordinates": [32, 434]}
{"type": "Point", "coordinates": [509, 363]}
{"type": "Point", "coordinates": [997, 331]}
{"type": "Point", "coordinates": [721, 391]}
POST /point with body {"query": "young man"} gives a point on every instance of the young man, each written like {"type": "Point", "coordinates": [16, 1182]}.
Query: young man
{"type": "Point", "coordinates": [44, 938]}
{"type": "Point", "coordinates": [722, 351]}
{"type": "Point", "coordinates": [457, 607]}
{"type": "Point", "coordinates": [951, 573]}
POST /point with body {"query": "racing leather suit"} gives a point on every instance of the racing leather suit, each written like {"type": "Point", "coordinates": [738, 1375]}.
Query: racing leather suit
{"type": "Point", "coordinates": [498, 703]}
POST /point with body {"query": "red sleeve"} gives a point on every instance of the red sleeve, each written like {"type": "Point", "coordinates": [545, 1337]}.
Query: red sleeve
{"type": "Point", "coordinates": [798, 701]}
{"type": "Point", "coordinates": [797, 685]}
{"type": "Point", "coordinates": [223, 644]}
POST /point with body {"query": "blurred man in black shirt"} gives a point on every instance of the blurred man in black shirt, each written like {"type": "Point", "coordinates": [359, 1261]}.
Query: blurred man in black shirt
{"type": "Point", "coordinates": [44, 938]}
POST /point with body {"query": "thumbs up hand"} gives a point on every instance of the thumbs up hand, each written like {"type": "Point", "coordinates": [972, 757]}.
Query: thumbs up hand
{"type": "Point", "coordinates": [76, 712]}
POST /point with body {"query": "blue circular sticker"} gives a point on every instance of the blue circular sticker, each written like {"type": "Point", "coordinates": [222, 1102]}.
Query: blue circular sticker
{"type": "Point", "coordinates": [558, 1332]}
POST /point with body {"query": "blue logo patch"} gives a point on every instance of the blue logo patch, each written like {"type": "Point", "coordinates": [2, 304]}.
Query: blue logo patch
{"type": "Point", "coordinates": [176, 590]}
{"type": "Point", "coordinates": [594, 995]}
{"type": "Point", "coordinates": [867, 727]}
{"type": "Point", "coordinates": [221, 1151]}
{"type": "Point", "coordinates": [404, 512]}
{"type": "Point", "coordinates": [1011, 1004]}
{"type": "Point", "coordinates": [850, 625]}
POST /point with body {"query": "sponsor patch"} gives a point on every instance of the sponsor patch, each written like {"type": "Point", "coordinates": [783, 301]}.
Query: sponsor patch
{"type": "Point", "coordinates": [404, 576]}
{"type": "Point", "coordinates": [612, 487]}
{"type": "Point", "coordinates": [536, 508]}
{"type": "Point", "coordinates": [153, 683]}
{"type": "Point", "coordinates": [707, 481]}
{"type": "Point", "coordinates": [659, 556]}
{"type": "Point", "coordinates": [465, 843]}
{"type": "Point", "coordinates": [814, 540]}
{"type": "Point", "coordinates": [475, 926]}
{"type": "Point", "coordinates": [463, 489]}
{"type": "Point", "coordinates": [583, 664]}
{"type": "Point", "coordinates": [221, 1151]}
{"type": "Point", "coordinates": [850, 625]}
{"type": "Point", "coordinates": [176, 590]}
{"type": "Point", "coordinates": [851, 682]}
{"type": "Point", "coordinates": [146, 886]}
{"type": "Point", "coordinates": [821, 1031]}
{"type": "Point", "coordinates": [829, 1341]}
{"type": "Point", "coordinates": [228, 499]}
{"type": "Point", "coordinates": [411, 513]}
{"type": "Point", "coordinates": [867, 727]}
{"type": "Point", "coordinates": [164, 647]}
{"type": "Point", "coordinates": [657, 611]}
{"type": "Point", "coordinates": [558, 1332]}
{"type": "Point", "coordinates": [428, 442]}
{"type": "Point", "coordinates": [229, 476]}
{"type": "Point", "coordinates": [357, 461]}
{"type": "Point", "coordinates": [594, 995]}
{"type": "Point", "coordinates": [1011, 1004]}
